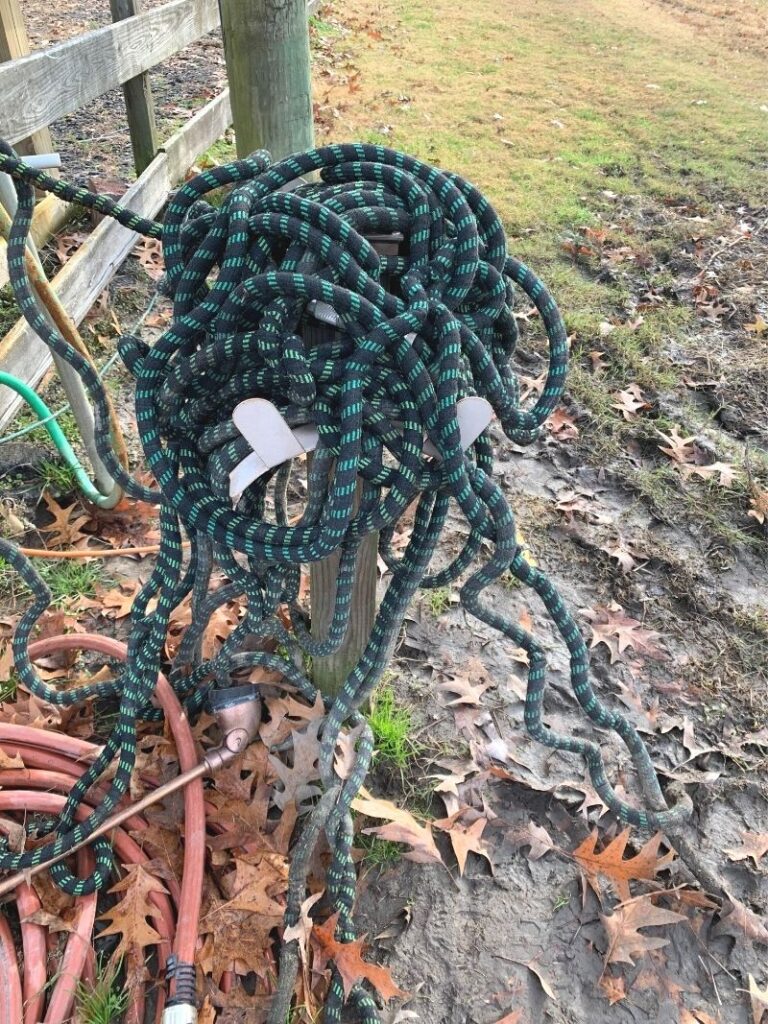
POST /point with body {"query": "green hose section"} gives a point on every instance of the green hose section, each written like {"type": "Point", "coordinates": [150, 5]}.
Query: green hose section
{"type": "Point", "coordinates": [56, 434]}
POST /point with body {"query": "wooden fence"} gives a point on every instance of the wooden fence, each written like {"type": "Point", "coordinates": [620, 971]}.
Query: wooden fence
{"type": "Point", "coordinates": [48, 84]}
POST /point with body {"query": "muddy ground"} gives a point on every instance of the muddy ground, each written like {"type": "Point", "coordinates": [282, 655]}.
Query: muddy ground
{"type": "Point", "coordinates": [617, 525]}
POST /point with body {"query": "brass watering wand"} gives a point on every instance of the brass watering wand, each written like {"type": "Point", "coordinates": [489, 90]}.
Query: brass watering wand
{"type": "Point", "coordinates": [237, 710]}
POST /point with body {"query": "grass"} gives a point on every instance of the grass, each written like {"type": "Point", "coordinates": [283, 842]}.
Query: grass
{"type": "Point", "coordinates": [65, 579]}
{"type": "Point", "coordinates": [56, 477]}
{"type": "Point", "coordinates": [104, 1002]}
{"type": "Point", "coordinates": [438, 600]}
{"type": "Point", "coordinates": [74, 578]}
{"type": "Point", "coordinates": [378, 853]}
{"type": "Point", "coordinates": [571, 116]}
{"type": "Point", "coordinates": [8, 688]}
{"type": "Point", "coordinates": [392, 729]}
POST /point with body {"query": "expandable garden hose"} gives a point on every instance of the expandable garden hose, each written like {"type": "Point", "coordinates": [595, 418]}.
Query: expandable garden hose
{"type": "Point", "coordinates": [417, 333]}
{"type": "Point", "coordinates": [51, 308]}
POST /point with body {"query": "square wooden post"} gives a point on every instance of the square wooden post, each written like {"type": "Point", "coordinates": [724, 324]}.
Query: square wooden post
{"type": "Point", "coordinates": [139, 104]}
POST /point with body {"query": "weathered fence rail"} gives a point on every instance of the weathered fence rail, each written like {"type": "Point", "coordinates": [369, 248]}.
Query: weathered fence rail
{"type": "Point", "coordinates": [44, 86]}
{"type": "Point", "coordinates": [49, 84]}
{"type": "Point", "coordinates": [90, 270]}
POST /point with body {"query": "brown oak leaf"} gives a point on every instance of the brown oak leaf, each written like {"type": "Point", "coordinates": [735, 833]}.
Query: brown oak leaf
{"type": "Point", "coordinates": [469, 693]}
{"type": "Point", "coordinates": [630, 401]}
{"type": "Point", "coordinates": [65, 530]}
{"type": "Point", "coordinates": [758, 505]}
{"type": "Point", "coordinates": [758, 998]}
{"type": "Point", "coordinates": [614, 989]}
{"type": "Point", "coordinates": [679, 449]}
{"type": "Point", "coordinates": [622, 928]}
{"type": "Point", "coordinates": [610, 863]}
{"type": "Point", "coordinates": [741, 922]}
{"type": "Point", "coordinates": [297, 780]}
{"type": "Point", "coordinates": [562, 426]}
{"type": "Point", "coordinates": [465, 838]}
{"type": "Point", "coordinates": [402, 828]}
{"type": "Point", "coordinates": [753, 844]}
{"type": "Point", "coordinates": [347, 958]}
{"type": "Point", "coordinates": [128, 917]}
{"type": "Point", "coordinates": [535, 836]}
{"type": "Point", "coordinates": [610, 626]}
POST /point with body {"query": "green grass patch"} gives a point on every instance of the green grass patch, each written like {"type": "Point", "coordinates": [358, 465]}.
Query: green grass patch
{"type": "Point", "coordinates": [438, 600]}
{"type": "Point", "coordinates": [67, 579]}
{"type": "Point", "coordinates": [378, 853]}
{"type": "Point", "coordinates": [392, 729]}
{"type": "Point", "coordinates": [104, 1002]}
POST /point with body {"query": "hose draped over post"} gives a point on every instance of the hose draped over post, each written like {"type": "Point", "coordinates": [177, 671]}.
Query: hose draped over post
{"type": "Point", "coordinates": [242, 276]}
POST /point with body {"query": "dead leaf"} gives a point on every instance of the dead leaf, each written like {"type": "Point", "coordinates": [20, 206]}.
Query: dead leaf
{"type": "Point", "coordinates": [630, 401]}
{"type": "Point", "coordinates": [725, 472]}
{"type": "Point", "coordinates": [297, 779]}
{"type": "Point", "coordinates": [534, 968]}
{"type": "Point", "coordinates": [614, 989]}
{"type": "Point", "coordinates": [466, 839]}
{"type": "Point", "coordinates": [618, 632]}
{"type": "Point", "coordinates": [403, 828]}
{"type": "Point", "coordinates": [598, 363]}
{"type": "Point", "coordinates": [562, 426]}
{"type": "Point", "coordinates": [758, 505]}
{"type": "Point", "coordinates": [468, 693]}
{"type": "Point", "coordinates": [65, 530]}
{"type": "Point", "coordinates": [610, 862]}
{"type": "Point", "coordinates": [345, 754]}
{"type": "Point", "coordinates": [251, 887]}
{"type": "Point", "coordinates": [128, 917]}
{"type": "Point", "coordinates": [10, 761]}
{"type": "Point", "coordinates": [67, 245]}
{"type": "Point", "coordinates": [510, 1018]}
{"type": "Point", "coordinates": [740, 922]}
{"type": "Point", "coordinates": [531, 385]}
{"type": "Point", "coordinates": [759, 326]}
{"type": "Point", "coordinates": [758, 998]}
{"type": "Point", "coordinates": [347, 958]}
{"type": "Point", "coordinates": [628, 553]}
{"type": "Point", "coordinates": [679, 449]}
{"type": "Point", "coordinates": [150, 255]}
{"type": "Point", "coordinates": [535, 836]}
{"type": "Point", "coordinates": [303, 927]}
{"type": "Point", "coordinates": [118, 602]}
{"type": "Point", "coordinates": [622, 928]}
{"type": "Point", "coordinates": [753, 844]}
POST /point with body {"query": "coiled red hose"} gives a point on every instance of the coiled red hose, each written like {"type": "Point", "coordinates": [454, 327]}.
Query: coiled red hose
{"type": "Point", "coordinates": [52, 762]}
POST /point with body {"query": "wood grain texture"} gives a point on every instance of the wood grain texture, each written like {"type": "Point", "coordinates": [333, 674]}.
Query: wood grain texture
{"type": "Point", "coordinates": [89, 271]}
{"type": "Point", "coordinates": [139, 104]}
{"type": "Point", "coordinates": [14, 43]}
{"type": "Point", "coordinates": [329, 673]}
{"type": "Point", "coordinates": [50, 215]}
{"type": "Point", "coordinates": [266, 44]}
{"type": "Point", "coordinates": [48, 84]}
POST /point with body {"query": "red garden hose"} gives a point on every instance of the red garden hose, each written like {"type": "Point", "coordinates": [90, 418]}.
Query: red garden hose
{"type": "Point", "coordinates": [52, 762]}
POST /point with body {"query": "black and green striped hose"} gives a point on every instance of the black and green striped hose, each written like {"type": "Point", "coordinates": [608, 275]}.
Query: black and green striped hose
{"type": "Point", "coordinates": [241, 276]}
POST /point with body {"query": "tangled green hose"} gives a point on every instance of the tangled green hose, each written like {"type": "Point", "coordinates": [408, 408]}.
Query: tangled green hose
{"type": "Point", "coordinates": [418, 332]}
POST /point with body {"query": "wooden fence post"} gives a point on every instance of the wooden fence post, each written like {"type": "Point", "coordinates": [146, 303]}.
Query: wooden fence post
{"type": "Point", "coordinates": [14, 43]}
{"type": "Point", "coordinates": [266, 44]}
{"type": "Point", "coordinates": [138, 100]}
